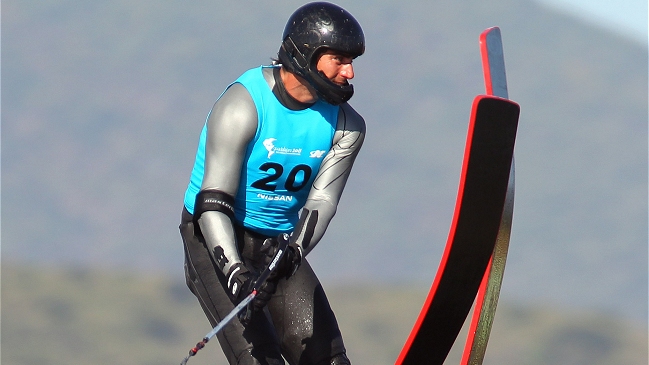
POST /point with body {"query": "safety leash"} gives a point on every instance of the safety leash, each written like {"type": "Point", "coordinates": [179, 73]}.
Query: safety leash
{"type": "Point", "coordinates": [220, 326]}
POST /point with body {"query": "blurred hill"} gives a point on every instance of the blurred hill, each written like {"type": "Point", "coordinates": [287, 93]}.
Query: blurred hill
{"type": "Point", "coordinates": [80, 316]}
{"type": "Point", "coordinates": [102, 103]}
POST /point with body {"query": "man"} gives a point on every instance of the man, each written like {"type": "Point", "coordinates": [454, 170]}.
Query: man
{"type": "Point", "coordinates": [273, 159]}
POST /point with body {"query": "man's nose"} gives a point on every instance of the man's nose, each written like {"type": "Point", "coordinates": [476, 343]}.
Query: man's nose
{"type": "Point", "coordinates": [347, 71]}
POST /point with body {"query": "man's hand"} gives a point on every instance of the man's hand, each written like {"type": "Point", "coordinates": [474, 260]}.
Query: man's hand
{"type": "Point", "coordinates": [289, 263]}
{"type": "Point", "coordinates": [240, 285]}
{"type": "Point", "coordinates": [240, 281]}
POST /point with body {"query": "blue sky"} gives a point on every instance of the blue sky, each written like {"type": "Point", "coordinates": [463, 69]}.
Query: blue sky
{"type": "Point", "coordinates": [627, 17]}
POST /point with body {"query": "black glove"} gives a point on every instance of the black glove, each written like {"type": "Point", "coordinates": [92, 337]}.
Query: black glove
{"type": "Point", "coordinates": [289, 263]}
{"type": "Point", "coordinates": [264, 294]}
{"type": "Point", "coordinates": [240, 281]}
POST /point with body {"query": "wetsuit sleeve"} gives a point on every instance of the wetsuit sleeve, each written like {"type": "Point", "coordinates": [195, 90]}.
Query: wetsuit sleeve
{"type": "Point", "coordinates": [231, 125]}
{"type": "Point", "coordinates": [330, 182]}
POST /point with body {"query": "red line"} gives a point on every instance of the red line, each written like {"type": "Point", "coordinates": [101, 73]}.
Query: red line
{"type": "Point", "coordinates": [449, 242]}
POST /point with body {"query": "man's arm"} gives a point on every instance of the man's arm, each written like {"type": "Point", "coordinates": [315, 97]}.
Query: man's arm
{"type": "Point", "coordinates": [231, 125]}
{"type": "Point", "coordinates": [330, 182]}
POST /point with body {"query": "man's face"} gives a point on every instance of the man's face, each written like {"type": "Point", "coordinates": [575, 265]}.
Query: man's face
{"type": "Point", "coordinates": [337, 67]}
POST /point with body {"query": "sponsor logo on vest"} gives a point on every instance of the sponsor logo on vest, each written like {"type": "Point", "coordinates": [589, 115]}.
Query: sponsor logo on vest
{"type": "Point", "coordinates": [317, 153]}
{"type": "Point", "coordinates": [286, 198]}
{"type": "Point", "coordinates": [272, 149]}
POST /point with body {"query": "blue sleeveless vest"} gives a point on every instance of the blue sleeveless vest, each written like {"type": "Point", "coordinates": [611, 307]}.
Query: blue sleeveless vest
{"type": "Point", "coordinates": [281, 161]}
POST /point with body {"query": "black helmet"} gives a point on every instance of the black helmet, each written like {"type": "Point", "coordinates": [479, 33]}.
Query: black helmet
{"type": "Point", "coordinates": [312, 29]}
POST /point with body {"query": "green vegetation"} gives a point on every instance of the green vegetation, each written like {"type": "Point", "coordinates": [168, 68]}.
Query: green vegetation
{"type": "Point", "coordinates": [80, 317]}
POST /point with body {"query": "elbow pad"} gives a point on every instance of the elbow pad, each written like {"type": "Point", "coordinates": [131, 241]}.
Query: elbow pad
{"type": "Point", "coordinates": [212, 200]}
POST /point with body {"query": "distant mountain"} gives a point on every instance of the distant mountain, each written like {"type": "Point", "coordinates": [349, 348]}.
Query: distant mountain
{"type": "Point", "coordinates": [103, 103]}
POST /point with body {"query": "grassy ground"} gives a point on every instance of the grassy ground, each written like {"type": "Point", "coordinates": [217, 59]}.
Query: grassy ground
{"type": "Point", "coordinates": [75, 317]}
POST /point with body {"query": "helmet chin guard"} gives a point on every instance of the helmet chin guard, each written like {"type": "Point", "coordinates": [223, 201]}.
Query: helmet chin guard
{"type": "Point", "coordinates": [310, 31]}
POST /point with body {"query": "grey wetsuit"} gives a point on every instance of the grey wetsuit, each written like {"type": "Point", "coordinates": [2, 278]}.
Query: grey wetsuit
{"type": "Point", "coordinates": [298, 324]}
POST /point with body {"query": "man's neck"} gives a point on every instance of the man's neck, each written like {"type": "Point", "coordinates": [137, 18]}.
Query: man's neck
{"type": "Point", "coordinates": [297, 87]}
